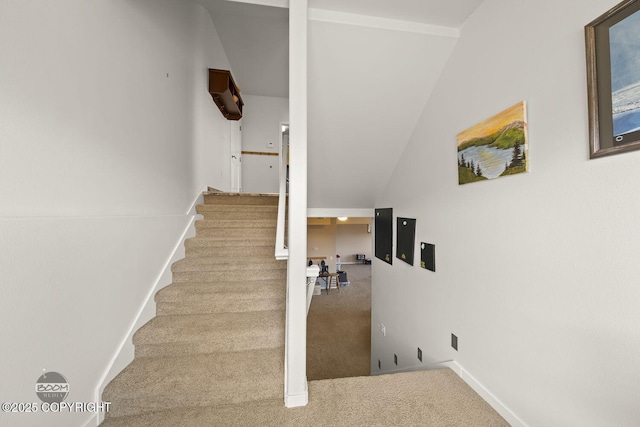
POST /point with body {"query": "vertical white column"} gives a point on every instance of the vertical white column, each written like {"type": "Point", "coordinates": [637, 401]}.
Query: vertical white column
{"type": "Point", "coordinates": [296, 393]}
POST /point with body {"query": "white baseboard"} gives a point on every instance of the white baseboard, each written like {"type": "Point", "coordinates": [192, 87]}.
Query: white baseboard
{"type": "Point", "coordinates": [489, 397]}
{"type": "Point", "coordinates": [94, 420]}
{"type": "Point", "coordinates": [472, 382]}
{"type": "Point", "coordinates": [124, 353]}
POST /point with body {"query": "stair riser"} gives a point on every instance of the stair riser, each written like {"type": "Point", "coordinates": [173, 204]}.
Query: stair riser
{"type": "Point", "coordinates": [231, 276]}
{"type": "Point", "coordinates": [237, 208]}
{"type": "Point", "coordinates": [230, 242]}
{"type": "Point", "coordinates": [224, 394]}
{"type": "Point", "coordinates": [239, 200]}
{"type": "Point", "coordinates": [249, 341]}
{"type": "Point", "coordinates": [236, 223]}
{"type": "Point", "coordinates": [240, 215]}
{"type": "Point", "coordinates": [256, 251]}
{"type": "Point", "coordinates": [210, 265]}
{"type": "Point", "coordinates": [260, 391]}
{"type": "Point", "coordinates": [220, 305]}
{"type": "Point", "coordinates": [236, 232]}
{"type": "Point", "coordinates": [248, 288]}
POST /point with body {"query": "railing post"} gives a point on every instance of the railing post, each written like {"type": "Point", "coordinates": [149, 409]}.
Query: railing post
{"type": "Point", "coordinates": [313, 272]}
{"type": "Point", "coordinates": [295, 388]}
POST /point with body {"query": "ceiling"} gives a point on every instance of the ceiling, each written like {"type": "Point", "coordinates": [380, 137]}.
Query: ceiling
{"type": "Point", "coordinates": [256, 40]}
{"type": "Point", "coordinates": [447, 13]}
{"type": "Point", "coordinates": [257, 34]}
{"type": "Point", "coordinates": [367, 84]}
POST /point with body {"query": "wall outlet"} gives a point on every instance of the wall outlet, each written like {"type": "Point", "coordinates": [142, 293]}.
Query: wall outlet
{"type": "Point", "coordinates": [419, 354]}
{"type": "Point", "coordinates": [383, 330]}
{"type": "Point", "coordinates": [454, 342]}
{"type": "Point", "coordinates": [270, 144]}
{"type": "Point", "coordinates": [395, 359]}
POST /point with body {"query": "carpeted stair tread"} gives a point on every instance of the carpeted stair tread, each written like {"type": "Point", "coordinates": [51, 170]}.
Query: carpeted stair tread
{"type": "Point", "coordinates": [237, 213]}
{"type": "Point", "coordinates": [236, 208]}
{"type": "Point", "coordinates": [229, 275]}
{"type": "Point", "coordinates": [422, 398]}
{"type": "Point", "coordinates": [235, 223]}
{"type": "Point", "coordinates": [225, 264]}
{"type": "Point", "coordinates": [178, 335]}
{"type": "Point", "coordinates": [152, 384]}
{"type": "Point", "coordinates": [222, 259]}
{"type": "Point", "coordinates": [210, 241]}
{"type": "Point", "coordinates": [243, 248]}
{"type": "Point", "coordinates": [248, 289]}
{"type": "Point", "coordinates": [199, 298]}
{"type": "Point", "coordinates": [237, 231]}
{"type": "Point", "coordinates": [237, 251]}
{"type": "Point", "coordinates": [241, 199]}
{"type": "Point", "coordinates": [231, 286]}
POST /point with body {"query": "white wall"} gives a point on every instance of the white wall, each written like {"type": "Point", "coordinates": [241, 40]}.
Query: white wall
{"type": "Point", "coordinates": [335, 237]}
{"type": "Point", "coordinates": [107, 135]}
{"type": "Point", "coordinates": [367, 88]}
{"type": "Point", "coordinates": [211, 132]}
{"type": "Point", "coordinates": [321, 242]}
{"type": "Point", "coordinates": [261, 125]}
{"type": "Point", "coordinates": [537, 274]}
{"type": "Point", "coordinates": [352, 239]}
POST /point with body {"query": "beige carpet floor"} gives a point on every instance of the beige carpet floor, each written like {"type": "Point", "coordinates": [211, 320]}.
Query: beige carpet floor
{"type": "Point", "coordinates": [426, 398]}
{"type": "Point", "coordinates": [339, 329]}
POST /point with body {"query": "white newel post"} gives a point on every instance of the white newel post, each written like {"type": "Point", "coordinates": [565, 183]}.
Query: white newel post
{"type": "Point", "coordinates": [295, 388]}
{"type": "Point", "coordinates": [312, 275]}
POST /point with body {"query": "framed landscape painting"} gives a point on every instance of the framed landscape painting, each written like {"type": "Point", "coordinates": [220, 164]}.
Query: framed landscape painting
{"type": "Point", "coordinates": [613, 77]}
{"type": "Point", "coordinates": [494, 148]}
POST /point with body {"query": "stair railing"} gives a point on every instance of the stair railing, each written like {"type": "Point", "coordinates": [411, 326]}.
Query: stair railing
{"type": "Point", "coordinates": [282, 251]}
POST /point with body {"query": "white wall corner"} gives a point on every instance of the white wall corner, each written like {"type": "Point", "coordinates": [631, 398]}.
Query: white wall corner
{"type": "Point", "coordinates": [489, 397]}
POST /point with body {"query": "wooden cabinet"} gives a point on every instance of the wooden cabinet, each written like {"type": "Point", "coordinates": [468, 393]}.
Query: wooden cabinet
{"type": "Point", "coordinates": [225, 94]}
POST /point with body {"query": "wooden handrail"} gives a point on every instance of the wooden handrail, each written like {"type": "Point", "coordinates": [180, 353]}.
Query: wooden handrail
{"type": "Point", "coordinates": [260, 153]}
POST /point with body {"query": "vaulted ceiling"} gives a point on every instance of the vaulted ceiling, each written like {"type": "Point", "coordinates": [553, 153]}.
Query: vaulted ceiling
{"type": "Point", "coordinates": [372, 67]}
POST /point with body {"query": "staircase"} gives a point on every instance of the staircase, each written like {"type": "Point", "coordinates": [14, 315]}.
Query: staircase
{"type": "Point", "coordinates": [218, 337]}
{"type": "Point", "coordinates": [214, 354]}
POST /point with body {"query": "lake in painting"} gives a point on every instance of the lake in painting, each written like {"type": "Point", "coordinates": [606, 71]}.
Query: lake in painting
{"type": "Point", "coordinates": [624, 40]}
{"type": "Point", "coordinates": [494, 148]}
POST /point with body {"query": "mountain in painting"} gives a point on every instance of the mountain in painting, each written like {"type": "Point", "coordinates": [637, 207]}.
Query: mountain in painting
{"type": "Point", "coordinates": [502, 139]}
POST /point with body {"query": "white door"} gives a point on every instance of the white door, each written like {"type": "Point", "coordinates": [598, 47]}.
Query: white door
{"type": "Point", "coordinates": [236, 155]}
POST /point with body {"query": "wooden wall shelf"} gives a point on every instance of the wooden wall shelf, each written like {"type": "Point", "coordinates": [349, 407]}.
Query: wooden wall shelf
{"type": "Point", "coordinates": [225, 94]}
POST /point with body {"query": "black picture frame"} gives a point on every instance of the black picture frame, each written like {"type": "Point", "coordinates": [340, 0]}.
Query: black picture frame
{"type": "Point", "coordinates": [428, 256]}
{"type": "Point", "coordinates": [406, 239]}
{"type": "Point", "coordinates": [613, 80]}
{"type": "Point", "coordinates": [383, 222]}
